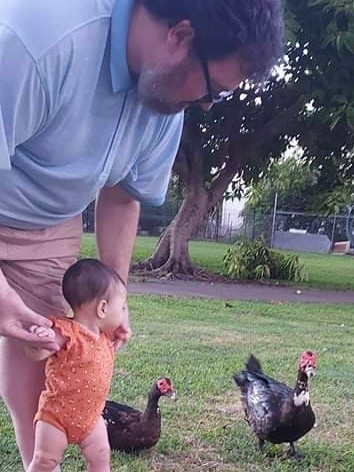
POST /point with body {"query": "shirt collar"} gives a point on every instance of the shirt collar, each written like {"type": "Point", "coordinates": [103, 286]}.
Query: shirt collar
{"type": "Point", "coordinates": [120, 75]}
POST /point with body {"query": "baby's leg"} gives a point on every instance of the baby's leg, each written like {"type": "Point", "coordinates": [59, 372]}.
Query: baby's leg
{"type": "Point", "coordinates": [49, 447]}
{"type": "Point", "coordinates": [96, 450]}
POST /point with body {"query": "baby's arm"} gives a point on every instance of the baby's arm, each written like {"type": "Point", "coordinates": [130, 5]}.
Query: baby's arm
{"type": "Point", "coordinates": [38, 353]}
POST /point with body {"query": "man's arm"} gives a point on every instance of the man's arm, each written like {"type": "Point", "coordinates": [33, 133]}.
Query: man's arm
{"type": "Point", "coordinates": [117, 216]}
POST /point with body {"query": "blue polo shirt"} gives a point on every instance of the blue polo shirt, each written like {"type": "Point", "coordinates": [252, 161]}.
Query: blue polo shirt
{"type": "Point", "coordinates": [70, 119]}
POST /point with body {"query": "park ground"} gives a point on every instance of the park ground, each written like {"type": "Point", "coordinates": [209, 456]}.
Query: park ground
{"type": "Point", "coordinates": [199, 344]}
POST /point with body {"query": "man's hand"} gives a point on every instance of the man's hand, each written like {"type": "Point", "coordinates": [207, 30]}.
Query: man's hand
{"type": "Point", "coordinates": [16, 319]}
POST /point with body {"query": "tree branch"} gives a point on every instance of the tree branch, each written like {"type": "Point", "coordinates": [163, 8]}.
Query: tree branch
{"type": "Point", "coordinates": [244, 146]}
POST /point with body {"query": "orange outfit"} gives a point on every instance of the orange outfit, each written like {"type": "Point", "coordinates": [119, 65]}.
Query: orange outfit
{"type": "Point", "coordinates": [78, 379]}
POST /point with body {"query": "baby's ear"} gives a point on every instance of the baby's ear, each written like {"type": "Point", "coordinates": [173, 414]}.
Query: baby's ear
{"type": "Point", "coordinates": [101, 309]}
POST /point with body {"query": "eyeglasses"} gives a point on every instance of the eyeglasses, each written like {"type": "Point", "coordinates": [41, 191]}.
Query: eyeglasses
{"type": "Point", "coordinates": [210, 97]}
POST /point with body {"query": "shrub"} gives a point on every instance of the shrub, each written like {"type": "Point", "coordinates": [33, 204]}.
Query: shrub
{"type": "Point", "coordinates": [253, 260]}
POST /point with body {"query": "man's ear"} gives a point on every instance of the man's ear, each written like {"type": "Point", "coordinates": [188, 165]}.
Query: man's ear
{"type": "Point", "coordinates": [101, 309]}
{"type": "Point", "coordinates": [180, 38]}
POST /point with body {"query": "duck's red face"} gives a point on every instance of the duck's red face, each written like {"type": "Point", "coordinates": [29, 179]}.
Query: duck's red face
{"type": "Point", "coordinates": [308, 363]}
{"type": "Point", "coordinates": [165, 386]}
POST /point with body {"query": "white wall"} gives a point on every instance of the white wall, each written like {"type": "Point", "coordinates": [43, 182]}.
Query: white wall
{"type": "Point", "coordinates": [231, 213]}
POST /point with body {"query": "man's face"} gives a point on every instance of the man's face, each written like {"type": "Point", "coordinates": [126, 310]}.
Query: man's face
{"type": "Point", "coordinates": [168, 88]}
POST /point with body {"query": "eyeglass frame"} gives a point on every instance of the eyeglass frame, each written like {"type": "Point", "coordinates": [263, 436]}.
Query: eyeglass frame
{"type": "Point", "coordinates": [209, 97]}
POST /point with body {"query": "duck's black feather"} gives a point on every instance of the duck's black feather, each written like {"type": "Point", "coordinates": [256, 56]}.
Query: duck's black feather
{"type": "Point", "coordinates": [269, 406]}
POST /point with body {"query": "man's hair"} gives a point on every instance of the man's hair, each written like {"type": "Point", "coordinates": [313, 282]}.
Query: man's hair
{"type": "Point", "coordinates": [251, 28]}
{"type": "Point", "coordinates": [88, 280]}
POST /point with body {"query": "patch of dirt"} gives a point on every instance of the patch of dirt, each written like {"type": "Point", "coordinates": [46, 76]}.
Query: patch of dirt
{"type": "Point", "coordinates": [234, 290]}
{"type": "Point", "coordinates": [229, 404]}
{"type": "Point", "coordinates": [201, 458]}
{"type": "Point", "coordinates": [334, 425]}
{"type": "Point", "coordinates": [120, 372]}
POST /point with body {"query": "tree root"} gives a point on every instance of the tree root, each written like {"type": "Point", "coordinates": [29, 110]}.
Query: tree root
{"type": "Point", "coordinates": [172, 271]}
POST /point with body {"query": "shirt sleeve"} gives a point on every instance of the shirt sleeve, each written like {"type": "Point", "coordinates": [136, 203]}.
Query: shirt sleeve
{"type": "Point", "coordinates": [148, 180]}
{"type": "Point", "coordinates": [22, 98]}
{"type": "Point", "coordinates": [65, 327]}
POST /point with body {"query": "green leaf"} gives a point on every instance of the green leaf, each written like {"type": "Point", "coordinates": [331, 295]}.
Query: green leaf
{"type": "Point", "coordinates": [339, 42]}
{"type": "Point", "coordinates": [340, 99]}
{"type": "Point", "coordinates": [335, 121]}
{"type": "Point", "coordinates": [348, 41]}
{"type": "Point", "coordinates": [350, 116]}
{"type": "Point", "coordinates": [314, 3]}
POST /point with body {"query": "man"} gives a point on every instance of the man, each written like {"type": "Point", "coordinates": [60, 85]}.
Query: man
{"type": "Point", "coordinates": [91, 95]}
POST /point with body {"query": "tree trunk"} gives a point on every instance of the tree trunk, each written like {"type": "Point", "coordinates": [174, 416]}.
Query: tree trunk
{"type": "Point", "coordinates": [171, 256]}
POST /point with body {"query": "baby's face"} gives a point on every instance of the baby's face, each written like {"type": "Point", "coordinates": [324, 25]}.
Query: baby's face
{"type": "Point", "coordinates": [116, 309]}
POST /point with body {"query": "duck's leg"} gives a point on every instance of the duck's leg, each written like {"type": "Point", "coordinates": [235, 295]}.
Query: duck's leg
{"type": "Point", "coordinates": [260, 444]}
{"type": "Point", "coordinates": [245, 408]}
{"type": "Point", "coordinates": [246, 417]}
{"type": "Point", "coordinates": [292, 453]}
{"type": "Point", "coordinates": [292, 450]}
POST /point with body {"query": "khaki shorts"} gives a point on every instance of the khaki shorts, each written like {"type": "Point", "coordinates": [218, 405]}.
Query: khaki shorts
{"type": "Point", "coordinates": [34, 261]}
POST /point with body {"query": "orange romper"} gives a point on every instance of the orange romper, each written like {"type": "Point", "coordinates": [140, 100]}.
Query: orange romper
{"type": "Point", "coordinates": [78, 379]}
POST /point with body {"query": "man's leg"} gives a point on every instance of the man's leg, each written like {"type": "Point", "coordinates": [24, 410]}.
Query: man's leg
{"type": "Point", "coordinates": [21, 382]}
{"type": "Point", "coordinates": [34, 268]}
{"type": "Point", "coordinates": [96, 450]}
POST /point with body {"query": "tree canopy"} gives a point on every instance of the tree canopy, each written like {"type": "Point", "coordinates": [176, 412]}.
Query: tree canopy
{"type": "Point", "coordinates": [291, 179]}
{"type": "Point", "coordinates": [310, 97]}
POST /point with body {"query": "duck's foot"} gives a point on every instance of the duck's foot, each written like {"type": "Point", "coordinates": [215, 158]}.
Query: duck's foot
{"type": "Point", "coordinates": [261, 445]}
{"type": "Point", "coordinates": [246, 416]}
{"type": "Point", "coordinates": [293, 454]}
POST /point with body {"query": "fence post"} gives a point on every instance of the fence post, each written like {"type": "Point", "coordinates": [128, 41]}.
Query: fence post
{"type": "Point", "coordinates": [254, 225]}
{"type": "Point", "coordinates": [333, 231]}
{"type": "Point", "coordinates": [349, 225]}
{"type": "Point", "coordinates": [217, 222]}
{"type": "Point", "coordinates": [274, 219]}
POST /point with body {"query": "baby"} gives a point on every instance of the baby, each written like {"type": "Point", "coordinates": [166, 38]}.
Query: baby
{"type": "Point", "coordinates": [78, 375]}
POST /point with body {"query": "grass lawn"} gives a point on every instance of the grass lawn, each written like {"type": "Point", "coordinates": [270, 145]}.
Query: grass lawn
{"type": "Point", "coordinates": [199, 345]}
{"type": "Point", "coordinates": [329, 271]}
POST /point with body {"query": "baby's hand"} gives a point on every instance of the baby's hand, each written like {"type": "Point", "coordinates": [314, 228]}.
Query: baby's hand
{"type": "Point", "coordinates": [42, 331]}
{"type": "Point", "coordinates": [35, 352]}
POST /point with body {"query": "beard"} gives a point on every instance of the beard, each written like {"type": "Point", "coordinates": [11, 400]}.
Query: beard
{"type": "Point", "coordinates": [157, 86]}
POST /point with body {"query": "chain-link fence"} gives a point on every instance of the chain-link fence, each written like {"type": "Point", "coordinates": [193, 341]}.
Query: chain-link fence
{"type": "Point", "coordinates": [300, 231]}
{"type": "Point", "coordinates": [152, 221]}
{"type": "Point", "coordinates": [285, 229]}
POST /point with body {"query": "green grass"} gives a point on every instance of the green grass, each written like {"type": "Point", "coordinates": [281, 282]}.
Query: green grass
{"type": "Point", "coordinates": [199, 345]}
{"type": "Point", "coordinates": [326, 271]}
{"type": "Point", "coordinates": [331, 271]}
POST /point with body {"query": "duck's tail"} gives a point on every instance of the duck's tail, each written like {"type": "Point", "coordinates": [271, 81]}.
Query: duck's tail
{"type": "Point", "coordinates": [253, 365]}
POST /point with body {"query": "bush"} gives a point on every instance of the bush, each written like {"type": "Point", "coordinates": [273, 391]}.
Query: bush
{"type": "Point", "coordinates": [253, 260]}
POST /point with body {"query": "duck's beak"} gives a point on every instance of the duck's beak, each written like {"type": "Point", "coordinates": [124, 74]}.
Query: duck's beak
{"type": "Point", "coordinates": [173, 395]}
{"type": "Point", "coordinates": [310, 372]}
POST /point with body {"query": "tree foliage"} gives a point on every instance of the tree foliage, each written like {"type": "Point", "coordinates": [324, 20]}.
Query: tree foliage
{"type": "Point", "coordinates": [292, 180]}
{"type": "Point", "coordinates": [253, 260]}
{"type": "Point", "coordinates": [325, 30]}
{"type": "Point", "coordinates": [310, 97]}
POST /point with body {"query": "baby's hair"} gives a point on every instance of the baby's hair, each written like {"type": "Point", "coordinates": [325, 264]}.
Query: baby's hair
{"type": "Point", "coordinates": [88, 280]}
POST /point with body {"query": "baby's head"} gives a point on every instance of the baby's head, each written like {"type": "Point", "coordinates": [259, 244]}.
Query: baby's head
{"type": "Point", "coordinates": [93, 289]}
